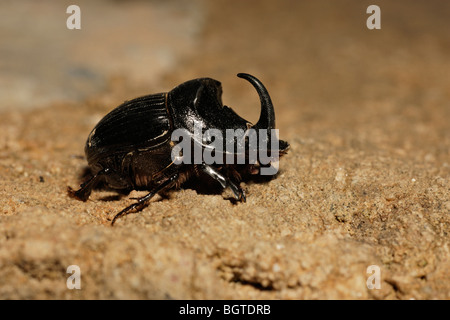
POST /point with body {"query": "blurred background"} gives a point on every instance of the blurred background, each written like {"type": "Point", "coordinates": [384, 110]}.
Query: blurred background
{"type": "Point", "coordinates": [43, 61]}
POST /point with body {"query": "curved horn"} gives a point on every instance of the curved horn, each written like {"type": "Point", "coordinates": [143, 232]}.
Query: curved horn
{"type": "Point", "coordinates": [267, 116]}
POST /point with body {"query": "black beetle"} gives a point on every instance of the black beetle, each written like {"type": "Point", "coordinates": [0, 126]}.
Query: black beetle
{"type": "Point", "coordinates": [131, 147]}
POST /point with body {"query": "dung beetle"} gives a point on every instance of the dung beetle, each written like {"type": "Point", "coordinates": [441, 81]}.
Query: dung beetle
{"type": "Point", "coordinates": [132, 146]}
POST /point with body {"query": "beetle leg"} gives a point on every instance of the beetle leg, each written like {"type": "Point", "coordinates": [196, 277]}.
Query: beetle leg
{"type": "Point", "coordinates": [224, 181]}
{"type": "Point", "coordinates": [233, 174]}
{"type": "Point", "coordinates": [85, 188]}
{"type": "Point", "coordinates": [142, 201]}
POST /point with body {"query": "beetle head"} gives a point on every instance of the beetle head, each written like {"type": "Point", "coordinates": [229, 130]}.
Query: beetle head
{"type": "Point", "coordinates": [200, 100]}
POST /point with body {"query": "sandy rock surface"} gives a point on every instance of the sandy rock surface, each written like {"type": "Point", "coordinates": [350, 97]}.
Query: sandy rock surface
{"type": "Point", "coordinates": [365, 183]}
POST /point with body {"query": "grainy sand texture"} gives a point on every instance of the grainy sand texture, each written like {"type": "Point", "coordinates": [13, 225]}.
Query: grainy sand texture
{"type": "Point", "coordinates": [365, 183]}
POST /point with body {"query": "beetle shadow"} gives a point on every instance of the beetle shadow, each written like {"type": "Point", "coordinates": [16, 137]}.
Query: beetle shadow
{"type": "Point", "coordinates": [205, 185]}
{"type": "Point", "coordinates": [201, 183]}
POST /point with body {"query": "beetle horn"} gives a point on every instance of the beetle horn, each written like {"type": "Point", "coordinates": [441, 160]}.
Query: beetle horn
{"type": "Point", "coordinates": [267, 116]}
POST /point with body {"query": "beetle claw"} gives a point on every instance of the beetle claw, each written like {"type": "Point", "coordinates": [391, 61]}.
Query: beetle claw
{"type": "Point", "coordinates": [242, 197]}
{"type": "Point", "coordinates": [239, 194]}
{"type": "Point", "coordinates": [80, 194]}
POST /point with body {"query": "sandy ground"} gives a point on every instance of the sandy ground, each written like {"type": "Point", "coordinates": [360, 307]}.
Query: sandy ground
{"type": "Point", "coordinates": [366, 181]}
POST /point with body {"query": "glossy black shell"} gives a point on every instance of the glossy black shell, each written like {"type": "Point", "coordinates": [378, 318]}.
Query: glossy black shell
{"type": "Point", "coordinates": [201, 100]}
{"type": "Point", "coordinates": [136, 124]}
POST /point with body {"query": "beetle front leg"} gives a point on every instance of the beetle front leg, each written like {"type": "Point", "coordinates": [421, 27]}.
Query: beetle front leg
{"type": "Point", "coordinates": [86, 188]}
{"type": "Point", "coordinates": [224, 181]}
